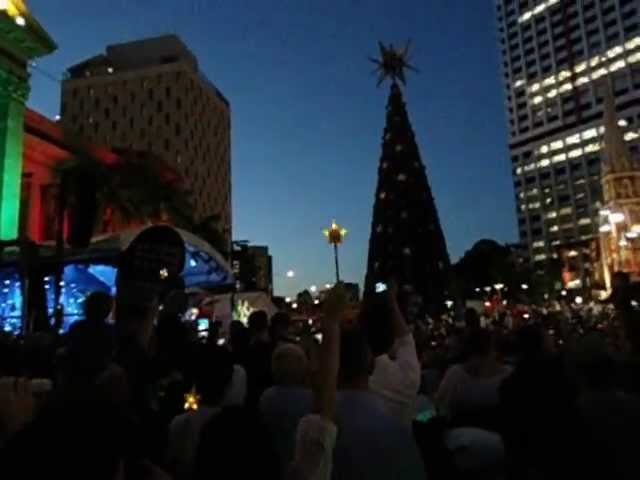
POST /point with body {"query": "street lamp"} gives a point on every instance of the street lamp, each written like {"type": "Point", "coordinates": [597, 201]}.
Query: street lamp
{"type": "Point", "coordinates": [335, 235]}
{"type": "Point", "coordinates": [313, 289]}
{"type": "Point", "coordinates": [290, 274]}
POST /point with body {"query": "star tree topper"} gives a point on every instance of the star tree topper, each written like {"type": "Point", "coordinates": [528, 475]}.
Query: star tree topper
{"type": "Point", "coordinates": [392, 63]}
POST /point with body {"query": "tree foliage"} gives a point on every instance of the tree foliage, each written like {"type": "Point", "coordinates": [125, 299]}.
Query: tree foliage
{"type": "Point", "coordinates": [140, 188]}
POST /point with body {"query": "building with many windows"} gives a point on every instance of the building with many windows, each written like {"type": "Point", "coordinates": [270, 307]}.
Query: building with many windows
{"type": "Point", "coordinates": [150, 96]}
{"type": "Point", "coordinates": [559, 59]}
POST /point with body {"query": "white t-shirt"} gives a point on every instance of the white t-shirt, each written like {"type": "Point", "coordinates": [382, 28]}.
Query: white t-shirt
{"type": "Point", "coordinates": [460, 391]}
{"type": "Point", "coordinates": [397, 380]}
{"type": "Point", "coordinates": [313, 458]}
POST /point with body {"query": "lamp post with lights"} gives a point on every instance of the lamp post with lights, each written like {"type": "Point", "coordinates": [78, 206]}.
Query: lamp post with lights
{"type": "Point", "coordinates": [335, 235]}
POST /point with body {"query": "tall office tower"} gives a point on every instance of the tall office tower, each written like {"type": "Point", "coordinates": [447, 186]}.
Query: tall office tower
{"type": "Point", "coordinates": [559, 59]}
{"type": "Point", "coordinates": [149, 95]}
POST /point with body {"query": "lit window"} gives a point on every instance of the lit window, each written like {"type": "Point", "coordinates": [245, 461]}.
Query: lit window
{"type": "Point", "coordinates": [634, 58]}
{"type": "Point", "coordinates": [584, 221]}
{"type": "Point", "coordinates": [575, 153]}
{"type": "Point", "coordinates": [556, 144]}
{"type": "Point", "coordinates": [553, 228]}
{"type": "Point", "coordinates": [518, 170]}
{"type": "Point", "coordinates": [598, 73]}
{"type": "Point", "coordinates": [582, 81]}
{"type": "Point", "coordinates": [580, 67]}
{"type": "Point", "coordinates": [564, 74]}
{"type": "Point", "coordinates": [534, 88]}
{"type": "Point", "coordinates": [559, 158]}
{"type": "Point", "coordinates": [552, 93]}
{"type": "Point", "coordinates": [633, 43]}
{"type": "Point", "coordinates": [565, 88]}
{"type": "Point", "coordinates": [617, 65]}
{"type": "Point", "coordinates": [565, 211]}
{"type": "Point", "coordinates": [622, 122]}
{"type": "Point", "coordinates": [539, 257]}
{"type": "Point", "coordinates": [612, 52]}
{"type": "Point", "coordinates": [592, 147]}
{"type": "Point", "coordinates": [631, 136]}
{"type": "Point", "coordinates": [530, 166]}
{"type": "Point", "coordinates": [552, 214]}
{"type": "Point", "coordinates": [537, 100]}
{"type": "Point", "coordinates": [544, 149]}
{"type": "Point", "coordinates": [573, 139]}
{"type": "Point", "coordinates": [549, 81]}
{"type": "Point", "coordinates": [544, 163]}
{"type": "Point", "coordinates": [589, 133]}
{"type": "Point", "coordinates": [534, 205]}
{"type": "Point", "coordinates": [518, 83]}
{"type": "Point", "coordinates": [538, 244]}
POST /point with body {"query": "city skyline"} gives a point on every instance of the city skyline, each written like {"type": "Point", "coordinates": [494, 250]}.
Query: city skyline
{"type": "Point", "coordinates": [307, 112]}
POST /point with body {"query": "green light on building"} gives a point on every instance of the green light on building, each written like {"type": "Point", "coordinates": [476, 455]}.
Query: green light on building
{"type": "Point", "coordinates": [21, 40]}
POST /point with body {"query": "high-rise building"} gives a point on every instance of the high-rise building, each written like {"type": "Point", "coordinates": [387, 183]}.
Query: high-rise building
{"type": "Point", "coordinates": [150, 96]}
{"type": "Point", "coordinates": [559, 59]}
{"type": "Point", "coordinates": [252, 266]}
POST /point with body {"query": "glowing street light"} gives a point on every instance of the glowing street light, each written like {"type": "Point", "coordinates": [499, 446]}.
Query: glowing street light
{"type": "Point", "coordinates": [290, 274]}
{"type": "Point", "coordinates": [524, 286]}
{"type": "Point", "coordinates": [313, 289]}
{"type": "Point", "coordinates": [499, 286]}
{"type": "Point", "coordinates": [327, 286]}
{"type": "Point", "coordinates": [335, 235]}
{"type": "Point", "coordinates": [294, 305]}
{"type": "Point", "coordinates": [578, 300]}
{"type": "Point", "coordinates": [287, 300]}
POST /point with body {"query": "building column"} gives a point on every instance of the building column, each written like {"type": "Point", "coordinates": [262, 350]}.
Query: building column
{"type": "Point", "coordinates": [14, 92]}
{"type": "Point", "coordinates": [22, 39]}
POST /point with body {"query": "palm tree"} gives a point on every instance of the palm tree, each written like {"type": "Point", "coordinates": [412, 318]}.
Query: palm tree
{"type": "Point", "coordinates": [140, 188]}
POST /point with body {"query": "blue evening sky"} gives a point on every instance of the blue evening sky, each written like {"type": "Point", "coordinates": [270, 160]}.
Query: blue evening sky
{"type": "Point", "coordinates": [307, 117]}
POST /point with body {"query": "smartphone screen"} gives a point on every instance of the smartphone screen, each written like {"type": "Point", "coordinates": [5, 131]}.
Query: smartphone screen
{"type": "Point", "coordinates": [203, 327]}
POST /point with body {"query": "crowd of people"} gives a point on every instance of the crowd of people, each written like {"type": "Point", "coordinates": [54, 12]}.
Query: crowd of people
{"type": "Point", "coordinates": [368, 396]}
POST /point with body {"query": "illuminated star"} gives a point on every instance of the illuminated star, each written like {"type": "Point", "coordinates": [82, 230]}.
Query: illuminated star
{"type": "Point", "coordinates": [392, 63]}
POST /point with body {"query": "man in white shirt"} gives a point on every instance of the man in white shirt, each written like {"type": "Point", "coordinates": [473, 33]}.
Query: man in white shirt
{"type": "Point", "coordinates": [396, 370]}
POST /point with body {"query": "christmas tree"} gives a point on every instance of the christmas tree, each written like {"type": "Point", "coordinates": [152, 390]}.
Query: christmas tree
{"type": "Point", "coordinates": [406, 243]}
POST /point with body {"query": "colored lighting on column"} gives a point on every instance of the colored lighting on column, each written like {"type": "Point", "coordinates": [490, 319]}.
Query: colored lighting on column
{"type": "Point", "coordinates": [10, 168]}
